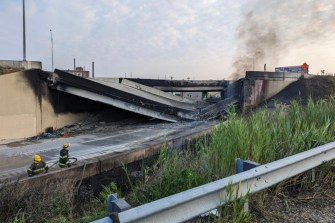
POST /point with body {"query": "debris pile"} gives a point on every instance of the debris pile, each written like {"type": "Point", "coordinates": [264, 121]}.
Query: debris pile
{"type": "Point", "coordinates": [99, 122]}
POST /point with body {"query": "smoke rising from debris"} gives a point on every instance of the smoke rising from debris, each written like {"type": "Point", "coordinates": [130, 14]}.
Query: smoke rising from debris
{"type": "Point", "coordinates": [277, 27]}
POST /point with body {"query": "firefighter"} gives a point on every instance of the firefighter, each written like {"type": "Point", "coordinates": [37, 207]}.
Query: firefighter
{"type": "Point", "coordinates": [39, 166]}
{"type": "Point", "coordinates": [64, 156]}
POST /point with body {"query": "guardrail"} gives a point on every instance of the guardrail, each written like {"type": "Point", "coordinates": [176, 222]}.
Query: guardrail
{"type": "Point", "coordinates": [194, 202]}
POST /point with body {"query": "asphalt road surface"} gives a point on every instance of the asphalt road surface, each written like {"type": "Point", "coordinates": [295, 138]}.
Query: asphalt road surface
{"type": "Point", "coordinates": [16, 158]}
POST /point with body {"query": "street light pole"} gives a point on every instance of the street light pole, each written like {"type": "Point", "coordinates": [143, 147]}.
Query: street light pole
{"type": "Point", "coordinates": [52, 51]}
{"type": "Point", "coordinates": [24, 31]}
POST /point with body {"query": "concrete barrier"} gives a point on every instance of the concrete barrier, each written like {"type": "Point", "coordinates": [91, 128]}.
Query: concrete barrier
{"type": "Point", "coordinates": [260, 86]}
{"type": "Point", "coordinates": [28, 107]}
{"type": "Point", "coordinates": [21, 64]}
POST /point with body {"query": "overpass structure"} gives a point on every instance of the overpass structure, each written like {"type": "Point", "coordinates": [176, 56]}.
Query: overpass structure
{"type": "Point", "coordinates": [184, 85]}
{"type": "Point", "coordinates": [135, 97]}
{"type": "Point", "coordinates": [36, 100]}
{"type": "Point", "coordinates": [100, 153]}
{"type": "Point", "coordinates": [123, 95]}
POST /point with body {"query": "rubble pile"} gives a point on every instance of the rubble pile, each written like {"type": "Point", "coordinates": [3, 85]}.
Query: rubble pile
{"type": "Point", "coordinates": [98, 122]}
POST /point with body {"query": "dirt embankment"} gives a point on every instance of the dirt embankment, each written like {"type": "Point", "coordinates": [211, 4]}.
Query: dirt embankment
{"type": "Point", "coordinates": [318, 203]}
{"type": "Point", "coordinates": [318, 87]}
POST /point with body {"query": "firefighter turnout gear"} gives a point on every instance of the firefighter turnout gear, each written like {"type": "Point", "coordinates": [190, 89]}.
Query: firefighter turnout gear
{"type": "Point", "coordinates": [64, 158]}
{"type": "Point", "coordinates": [39, 166]}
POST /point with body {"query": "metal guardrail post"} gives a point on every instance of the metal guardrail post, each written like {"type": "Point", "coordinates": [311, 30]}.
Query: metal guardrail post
{"type": "Point", "coordinates": [241, 166]}
{"type": "Point", "coordinates": [313, 175]}
{"type": "Point", "coordinates": [238, 165]}
{"type": "Point", "coordinates": [110, 199]}
{"type": "Point", "coordinates": [114, 206]}
{"type": "Point", "coordinates": [188, 204]}
{"type": "Point", "coordinates": [244, 165]}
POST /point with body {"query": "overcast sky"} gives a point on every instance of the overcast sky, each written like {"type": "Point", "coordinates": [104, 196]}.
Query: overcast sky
{"type": "Point", "coordinates": [199, 39]}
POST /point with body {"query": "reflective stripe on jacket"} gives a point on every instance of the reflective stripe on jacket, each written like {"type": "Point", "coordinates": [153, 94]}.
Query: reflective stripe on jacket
{"type": "Point", "coordinates": [37, 168]}
{"type": "Point", "coordinates": [64, 156]}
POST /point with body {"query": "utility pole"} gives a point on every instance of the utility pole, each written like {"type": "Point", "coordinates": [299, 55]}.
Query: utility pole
{"type": "Point", "coordinates": [93, 69]}
{"type": "Point", "coordinates": [253, 64]}
{"type": "Point", "coordinates": [24, 31]}
{"type": "Point", "coordinates": [52, 51]}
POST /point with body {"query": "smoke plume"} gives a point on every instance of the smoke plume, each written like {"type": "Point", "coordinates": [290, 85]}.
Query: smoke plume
{"type": "Point", "coordinates": [275, 28]}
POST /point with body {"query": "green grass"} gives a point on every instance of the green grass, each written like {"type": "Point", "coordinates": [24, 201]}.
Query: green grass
{"type": "Point", "coordinates": [172, 173]}
{"type": "Point", "coordinates": [266, 135]}
{"type": "Point", "coordinates": [263, 136]}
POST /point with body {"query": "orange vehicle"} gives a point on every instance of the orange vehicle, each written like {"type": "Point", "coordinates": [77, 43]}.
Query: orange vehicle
{"type": "Point", "coordinates": [294, 69]}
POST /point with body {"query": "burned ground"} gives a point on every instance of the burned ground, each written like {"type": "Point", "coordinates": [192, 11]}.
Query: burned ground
{"type": "Point", "coordinates": [318, 87]}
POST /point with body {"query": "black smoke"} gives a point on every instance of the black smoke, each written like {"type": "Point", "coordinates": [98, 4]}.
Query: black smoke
{"type": "Point", "coordinates": [272, 29]}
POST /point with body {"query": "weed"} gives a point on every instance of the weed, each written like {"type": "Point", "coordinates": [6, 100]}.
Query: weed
{"type": "Point", "coordinates": [263, 136]}
{"type": "Point", "coordinates": [107, 190]}
{"type": "Point", "coordinates": [233, 210]}
{"type": "Point", "coordinates": [37, 203]}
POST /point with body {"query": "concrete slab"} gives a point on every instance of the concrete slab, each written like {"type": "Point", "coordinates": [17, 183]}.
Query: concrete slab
{"type": "Point", "coordinates": [130, 98]}
{"type": "Point", "coordinates": [93, 148]}
{"type": "Point", "coordinates": [116, 103]}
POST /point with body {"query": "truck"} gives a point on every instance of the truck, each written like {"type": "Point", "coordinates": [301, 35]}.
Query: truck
{"type": "Point", "coordinates": [294, 69]}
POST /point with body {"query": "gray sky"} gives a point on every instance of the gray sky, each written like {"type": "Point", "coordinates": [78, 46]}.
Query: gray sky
{"type": "Point", "coordinates": [199, 39]}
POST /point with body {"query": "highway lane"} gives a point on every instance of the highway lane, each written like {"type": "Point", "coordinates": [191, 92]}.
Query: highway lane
{"type": "Point", "coordinates": [14, 161]}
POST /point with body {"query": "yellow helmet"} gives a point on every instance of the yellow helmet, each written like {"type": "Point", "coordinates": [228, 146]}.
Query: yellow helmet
{"type": "Point", "coordinates": [37, 158]}
{"type": "Point", "coordinates": [66, 145]}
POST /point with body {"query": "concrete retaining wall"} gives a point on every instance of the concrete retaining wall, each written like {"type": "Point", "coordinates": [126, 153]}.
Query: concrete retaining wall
{"type": "Point", "coordinates": [25, 106]}
{"type": "Point", "coordinates": [275, 76]}
{"type": "Point", "coordinates": [260, 86]}
{"type": "Point", "coordinates": [21, 64]}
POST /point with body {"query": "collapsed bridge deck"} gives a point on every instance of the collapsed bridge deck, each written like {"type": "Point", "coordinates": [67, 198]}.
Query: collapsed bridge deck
{"type": "Point", "coordinates": [131, 96]}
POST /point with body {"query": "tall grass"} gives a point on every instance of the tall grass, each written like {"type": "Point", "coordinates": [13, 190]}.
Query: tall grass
{"type": "Point", "coordinates": [267, 135]}
{"type": "Point", "coordinates": [263, 136]}
{"type": "Point", "coordinates": [52, 202]}
{"type": "Point", "coordinates": [173, 172]}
